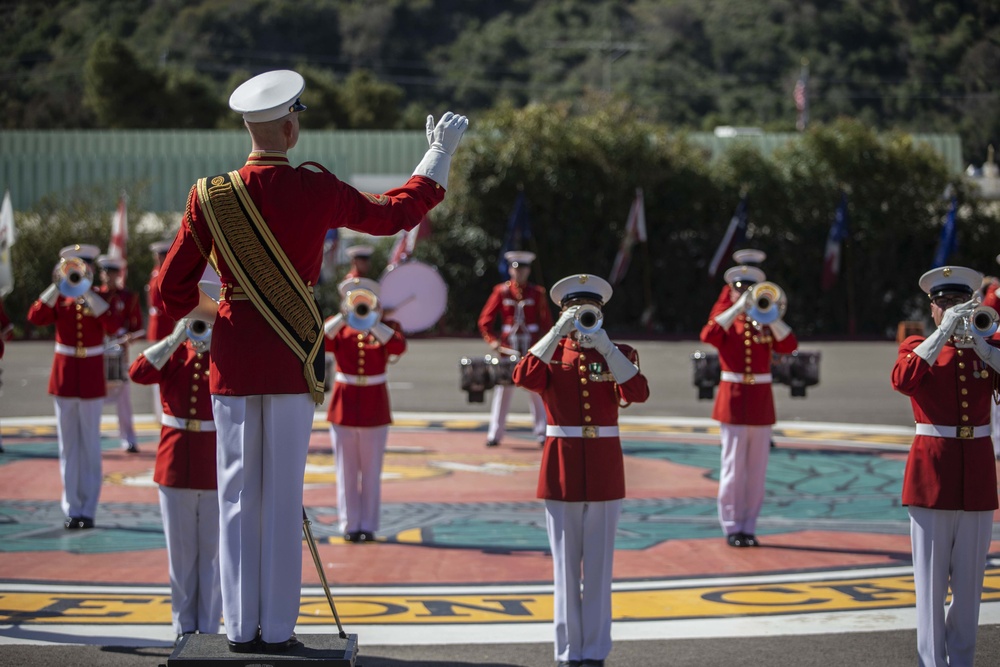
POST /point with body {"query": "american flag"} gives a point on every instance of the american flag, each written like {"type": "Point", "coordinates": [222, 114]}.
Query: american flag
{"type": "Point", "coordinates": [119, 230]}
{"type": "Point", "coordinates": [801, 96]}
{"type": "Point", "coordinates": [635, 230]}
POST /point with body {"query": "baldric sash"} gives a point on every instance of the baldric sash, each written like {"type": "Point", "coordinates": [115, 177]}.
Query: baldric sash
{"type": "Point", "coordinates": [244, 241]}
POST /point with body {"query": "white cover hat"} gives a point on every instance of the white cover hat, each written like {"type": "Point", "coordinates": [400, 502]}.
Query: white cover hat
{"type": "Point", "coordinates": [950, 279]}
{"type": "Point", "coordinates": [360, 251]}
{"type": "Point", "coordinates": [744, 274]}
{"type": "Point", "coordinates": [749, 256]}
{"type": "Point", "coordinates": [84, 251]}
{"type": "Point", "coordinates": [160, 247]}
{"type": "Point", "coordinates": [582, 286]}
{"type": "Point", "coordinates": [113, 263]}
{"type": "Point", "coordinates": [357, 283]}
{"type": "Point", "coordinates": [268, 96]}
{"type": "Point", "coordinates": [519, 257]}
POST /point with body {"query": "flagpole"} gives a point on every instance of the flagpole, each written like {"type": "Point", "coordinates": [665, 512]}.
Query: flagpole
{"type": "Point", "coordinates": [849, 276]}
{"type": "Point", "coordinates": [648, 285]}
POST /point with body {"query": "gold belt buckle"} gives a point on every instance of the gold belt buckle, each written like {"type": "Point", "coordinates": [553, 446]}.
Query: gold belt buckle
{"type": "Point", "coordinates": [965, 432]}
{"type": "Point", "coordinates": [748, 378]}
{"type": "Point", "coordinates": [80, 352]}
{"type": "Point", "coordinates": [362, 380]}
{"type": "Point", "coordinates": [193, 425]}
{"type": "Point", "coordinates": [590, 431]}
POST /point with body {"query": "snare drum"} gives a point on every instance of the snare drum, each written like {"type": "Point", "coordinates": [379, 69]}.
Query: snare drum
{"type": "Point", "coordinates": [503, 370]}
{"type": "Point", "coordinates": [116, 364]}
{"type": "Point", "coordinates": [476, 376]}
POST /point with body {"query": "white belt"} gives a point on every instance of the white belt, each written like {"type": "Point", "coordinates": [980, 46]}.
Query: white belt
{"type": "Point", "coordinates": [79, 352]}
{"type": "Point", "coordinates": [961, 432]}
{"type": "Point", "coordinates": [359, 380]}
{"type": "Point", "coordinates": [581, 431]}
{"type": "Point", "coordinates": [746, 378]}
{"type": "Point", "coordinates": [507, 328]}
{"type": "Point", "coordinates": [195, 425]}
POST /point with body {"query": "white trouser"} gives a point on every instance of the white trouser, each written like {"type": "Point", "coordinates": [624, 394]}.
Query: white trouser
{"type": "Point", "coordinates": [157, 406]}
{"type": "Point", "coordinates": [745, 450]}
{"type": "Point", "coordinates": [121, 394]}
{"type": "Point", "coordinates": [191, 526]}
{"type": "Point", "coordinates": [995, 428]}
{"type": "Point", "coordinates": [359, 452]}
{"type": "Point", "coordinates": [262, 442]}
{"type": "Point", "coordinates": [582, 533]}
{"type": "Point", "coordinates": [78, 427]}
{"type": "Point", "coordinates": [949, 549]}
{"type": "Point", "coordinates": [502, 396]}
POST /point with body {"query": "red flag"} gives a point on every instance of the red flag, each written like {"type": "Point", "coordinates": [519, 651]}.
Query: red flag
{"type": "Point", "coordinates": [635, 230]}
{"type": "Point", "coordinates": [119, 231]}
{"type": "Point", "coordinates": [407, 241]}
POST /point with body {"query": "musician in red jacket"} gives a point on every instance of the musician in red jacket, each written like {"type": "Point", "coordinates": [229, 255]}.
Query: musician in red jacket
{"type": "Point", "coordinates": [76, 381]}
{"type": "Point", "coordinates": [159, 324]}
{"type": "Point", "coordinates": [264, 227]}
{"type": "Point", "coordinates": [523, 312]}
{"type": "Point", "coordinates": [950, 484]}
{"type": "Point", "coordinates": [744, 405]}
{"type": "Point", "coordinates": [582, 377]}
{"type": "Point", "coordinates": [126, 313]}
{"type": "Point", "coordinates": [359, 413]}
{"type": "Point", "coordinates": [361, 261]}
{"type": "Point", "coordinates": [186, 472]}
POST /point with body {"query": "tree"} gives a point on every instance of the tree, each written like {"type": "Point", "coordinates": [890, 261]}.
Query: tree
{"type": "Point", "coordinates": [120, 91]}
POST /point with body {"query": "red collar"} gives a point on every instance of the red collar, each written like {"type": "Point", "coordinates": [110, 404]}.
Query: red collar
{"type": "Point", "coordinates": [267, 158]}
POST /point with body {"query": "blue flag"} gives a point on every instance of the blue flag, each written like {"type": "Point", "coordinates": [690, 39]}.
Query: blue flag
{"type": "Point", "coordinates": [949, 237]}
{"type": "Point", "coordinates": [838, 232]}
{"type": "Point", "coordinates": [518, 232]}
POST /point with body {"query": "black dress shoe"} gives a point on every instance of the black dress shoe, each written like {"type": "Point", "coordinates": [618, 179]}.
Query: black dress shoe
{"type": "Point", "coordinates": [71, 523]}
{"type": "Point", "coordinates": [85, 522]}
{"type": "Point", "coordinates": [492, 443]}
{"type": "Point", "coordinates": [354, 536]}
{"type": "Point", "coordinates": [736, 540]}
{"type": "Point", "coordinates": [251, 646]}
{"type": "Point", "coordinates": [366, 536]}
{"type": "Point", "coordinates": [132, 448]}
{"type": "Point", "coordinates": [592, 663]}
{"type": "Point", "coordinates": [280, 647]}
{"type": "Point", "coordinates": [751, 540]}
{"type": "Point", "coordinates": [568, 663]}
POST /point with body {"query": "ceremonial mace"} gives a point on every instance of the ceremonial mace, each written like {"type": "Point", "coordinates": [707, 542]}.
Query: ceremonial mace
{"type": "Point", "coordinates": [319, 569]}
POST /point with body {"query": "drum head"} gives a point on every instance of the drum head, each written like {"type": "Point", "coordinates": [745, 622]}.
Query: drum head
{"type": "Point", "coordinates": [413, 294]}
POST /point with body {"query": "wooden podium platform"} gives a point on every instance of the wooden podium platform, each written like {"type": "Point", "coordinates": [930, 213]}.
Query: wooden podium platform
{"type": "Point", "coordinates": [316, 651]}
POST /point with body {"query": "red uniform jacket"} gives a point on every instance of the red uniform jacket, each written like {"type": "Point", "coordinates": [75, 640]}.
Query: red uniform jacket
{"type": "Point", "coordinates": [991, 299]}
{"type": "Point", "coordinates": [299, 206]}
{"type": "Point", "coordinates": [76, 326]}
{"type": "Point", "coordinates": [948, 473]}
{"type": "Point", "coordinates": [361, 354]}
{"type": "Point", "coordinates": [503, 301]}
{"type": "Point", "coordinates": [184, 459]}
{"type": "Point", "coordinates": [744, 348]}
{"type": "Point", "coordinates": [124, 309]}
{"type": "Point", "coordinates": [4, 327]}
{"type": "Point", "coordinates": [578, 390]}
{"type": "Point", "coordinates": [160, 324]}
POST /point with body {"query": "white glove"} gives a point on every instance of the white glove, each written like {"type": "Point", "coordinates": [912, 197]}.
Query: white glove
{"type": "Point", "coordinates": [49, 296]}
{"type": "Point", "coordinates": [94, 301]}
{"type": "Point", "coordinates": [780, 330]}
{"type": "Point", "coordinates": [986, 352]}
{"type": "Point", "coordinates": [933, 344]}
{"type": "Point", "coordinates": [547, 344]}
{"type": "Point", "coordinates": [443, 139]}
{"type": "Point", "coordinates": [333, 325]}
{"type": "Point", "coordinates": [159, 352]}
{"type": "Point", "coordinates": [726, 318]}
{"type": "Point", "coordinates": [566, 320]}
{"type": "Point", "coordinates": [621, 368]}
{"type": "Point", "coordinates": [382, 332]}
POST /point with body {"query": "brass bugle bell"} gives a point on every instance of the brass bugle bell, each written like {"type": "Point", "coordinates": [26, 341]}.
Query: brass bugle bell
{"type": "Point", "coordinates": [198, 330]}
{"type": "Point", "coordinates": [73, 277]}
{"type": "Point", "coordinates": [767, 302]}
{"type": "Point", "coordinates": [589, 319]}
{"type": "Point", "coordinates": [984, 321]}
{"type": "Point", "coordinates": [361, 308]}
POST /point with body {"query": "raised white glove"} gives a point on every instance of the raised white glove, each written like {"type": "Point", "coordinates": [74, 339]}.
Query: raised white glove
{"type": "Point", "coordinates": [94, 301]}
{"type": "Point", "coordinates": [547, 344]}
{"type": "Point", "coordinates": [986, 352]}
{"type": "Point", "coordinates": [780, 330]}
{"type": "Point", "coordinates": [726, 318]}
{"type": "Point", "coordinates": [621, 368]}
{"type": "Point", "coordinates": [159, 352]}
{"type": "Point", "coordinates": [931, 347]}
{"type": "Point", "coordinates": [566, 320]}
{"type": "Point", "coordinates": [443, 139]}
{"type": "Point", "coordinates": [598, 340]}
{"type": "Point", "coordinates": [382, 332]}
{"type": "Point", "coordinates": [49, 296]}
{"type": "Point", "coordinates": [333, 325]}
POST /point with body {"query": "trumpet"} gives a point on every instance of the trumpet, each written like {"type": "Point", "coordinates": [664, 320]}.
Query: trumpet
{"type": "Point", "coordinates": [589, 319]}
{"type": "Point", "coordinates": [198, 330]}
{"type": "Point", "coordinates": [361, 308]}
{"type": "Point", "coordinates": [73, 277]}
{"type": "Point", "coordinates": [983, 322]}
{"type": "Point", "coordinates": [767, 302]}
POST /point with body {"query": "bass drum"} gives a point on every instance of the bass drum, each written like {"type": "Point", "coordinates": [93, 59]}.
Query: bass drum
{"type": "Point", "coordinates": [413, 294]}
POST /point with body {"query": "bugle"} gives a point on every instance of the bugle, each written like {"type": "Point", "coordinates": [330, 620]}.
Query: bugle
{"type": "Point", "coordinates": [767, 302]}
{"type": "Point", "coordinates": [361, 308]}
{"type": "Point", "coordinates": [588, 319]}
{"type": "Point", "coordinates": [198, 330]}
{"type": "Point", "coordinates": [73, 277]}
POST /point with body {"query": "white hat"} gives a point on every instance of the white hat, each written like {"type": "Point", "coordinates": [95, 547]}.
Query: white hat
{"type": "Point", "coordinates": [582, 286]}
{"type": "Point", "coordinates": [109, 262]}
{"type": "Point", "coordinates": [357, 283]}
{"type": "Point", "coordinates": [360, 251]}
{"type": "Point", "coordinates": [998, 259]}
{"type": "Point", "coordinates": [268, 96]}
{"type": "Point", "coordinates": [744, 274]}
{"type": "Point", "coordinates": [749, 256]}
{"type": "Point", "coordinates": [160, 247]}
{"type": "Point", "coordinates": [518, 257]}
{"type": "Point", "coordinates": [85, 251]}
{"type": "Point", "coordinates": [946, 279]}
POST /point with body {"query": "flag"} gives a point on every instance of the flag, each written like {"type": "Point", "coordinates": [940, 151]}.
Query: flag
{"type": "Point", "coordinates": [518, 232]}
{"type": "Point", "coordinates": [801, 97]}
{"type": "Point", "coordinates": [735, 234]}
{"type": "Point", "coordinates": [635, 230]}
{"type": "Point", "coordinates": [328, 269]}
{"type": "Point", "coordinates": [949, 236]}
{"type": "Point", "coordinates": [6, 241]}
{"type": "Point", "coordinates": [407, 241]}
{"type": "Point", "coordinates": [119, 231]}
{"type": "Point", "coordinates": [834, 240]}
